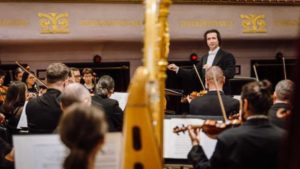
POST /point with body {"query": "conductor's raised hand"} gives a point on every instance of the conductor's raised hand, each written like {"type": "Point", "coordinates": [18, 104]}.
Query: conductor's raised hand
{"type": "Point", "coordinates": [173, 67]}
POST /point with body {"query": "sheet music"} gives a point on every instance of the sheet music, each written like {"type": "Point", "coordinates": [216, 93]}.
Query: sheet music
{"type": "Point", "coordinates": [121, 97]}
{"type": "Point", "coordinates": [23, 119]}
{"type": "Point", "coordinates": [48, 152]}
{"type": "Point", "coordinates": [178, 146]}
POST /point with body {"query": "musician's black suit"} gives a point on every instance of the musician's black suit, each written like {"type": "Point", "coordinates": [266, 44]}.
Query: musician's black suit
{"type": "Point", "coordinates": [113, 112]}
{"type": "Point", "coordinates": [223, 59]}
{"type": "Point", "coordinates": [43, 112]}
{"type": "Point", "coordinates": [255, 144]}
{"type": "Point", "coordinates": [273, 117]}
{"type": "Point", "coordinates": [209, 105]}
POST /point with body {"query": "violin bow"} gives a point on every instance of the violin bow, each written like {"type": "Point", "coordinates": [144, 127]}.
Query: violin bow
{"type": "Point", "coordinates": [255, 72]}
{"type": "Point", "coordinates": [219, 97]}
{"type": "Point", "coordinates": [284, 68]}
{"type": "Point", "coordinates": [198, 75]}
{"type": "Point", "coordinates": [25, 70]}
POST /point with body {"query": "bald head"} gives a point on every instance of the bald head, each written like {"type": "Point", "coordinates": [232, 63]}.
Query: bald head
{"type": "Point", "coordinates": [75, 93]}
{"type": "Point", "coordinates": [209, 77]}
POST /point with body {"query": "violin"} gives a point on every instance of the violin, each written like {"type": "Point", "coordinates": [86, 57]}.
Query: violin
{"type": "Point", "coordinates": [195, 94]}
{"type": "Point", "coordinates": [192, 96]}
{"type": "Point", "coordinates": [210, 127]}
{"type": "Point", "coordinates": [3, 91]}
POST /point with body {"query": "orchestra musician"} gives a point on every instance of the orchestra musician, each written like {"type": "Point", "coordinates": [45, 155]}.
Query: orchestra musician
{"type": "Point", "coordinates": [18, 74]}
{"type": "Point", "coordinates": [282, 96]}
{"type": "Point", "coordinates": [3, 89]}
{"type": "Point", "coordinates": [114, 114]}
{"type": "Point", "coordinates": [43, 113]}
{"type": "Point", "coordinates": [215, 57]}
{"type": "Point", "coordinates": [255, 144]}
{"type": "Point", "coordinates": [29, 79]}
{"type": "Point", "coordinates": [88, 78]}
{"type": "Point", "coordinates": [82, 129]}
{"type": "Point", "coordinates": [208, 104]}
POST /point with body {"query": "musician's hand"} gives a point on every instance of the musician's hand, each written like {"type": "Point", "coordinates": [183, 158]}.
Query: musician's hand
{"type": "Point", "coordinates": [206, 66]}
{"type": "Point", "coordinates": [30, 95]}
{"type": "Point", "coordinates": [194, 135]}
{"type": "Point", "coordinates": [189, 98]}
{"type": "Point", "coordinates": [173, 67]}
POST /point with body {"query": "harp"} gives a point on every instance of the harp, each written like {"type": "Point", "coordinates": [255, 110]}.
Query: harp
{"type": "Point", "coordinates": [144, 114]}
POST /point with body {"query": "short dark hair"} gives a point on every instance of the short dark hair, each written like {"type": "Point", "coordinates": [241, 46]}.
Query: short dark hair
{"type": "Point", "coordinates": [57, 72]}
{"type": "Point", "coordinates": [213, 31]}
{"type": "Point", "coordinates": [259, 96]}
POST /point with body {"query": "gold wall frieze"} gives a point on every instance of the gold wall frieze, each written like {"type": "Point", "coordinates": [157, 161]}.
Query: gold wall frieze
{"type": "Point", "coordinates": [54, 23]}
{"type": "Point", "coordinates": [253, 23]}
{"type": "Point", "coordinates": [111, 23]}
{"type": "Point", "coordinates": [13, 23]}
{"type": "Point", "coordinates": [213, 2]}
{"type": "Point", "coordinates": [205, 23]}
{"type": "Point", "coordinates": [287, 23]}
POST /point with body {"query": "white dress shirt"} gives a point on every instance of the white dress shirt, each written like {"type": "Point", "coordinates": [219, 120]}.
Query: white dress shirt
{"type": "Point", "coordinates": [211, 56]}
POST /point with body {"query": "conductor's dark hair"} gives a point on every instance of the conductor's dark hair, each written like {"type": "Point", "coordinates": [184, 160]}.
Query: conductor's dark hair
{"type": "Point", "coordinates": [82, 129]}
{"type": "Point", "coordinates": [213, 31]}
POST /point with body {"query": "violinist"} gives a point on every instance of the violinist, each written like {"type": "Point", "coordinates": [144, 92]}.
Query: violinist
{"type": "Point", "coordinates": [43, 113]}
{"type": "Point", "coordinates": [3, 89]}
{"type": "Point", "coordinates": [215, 57]}
{"type": "Point", "coordinates": [30, 81]}
{"type": "Point", "coordinates": [208, 104]}
{"type": "Point", "coordinates": [255, 144]}
{"type": "Point", "coordinates": [281, 101]}
{"type": "Point", "coordinates": [75, 76]}
{"type": "Point", "coordinates": [18, 74]}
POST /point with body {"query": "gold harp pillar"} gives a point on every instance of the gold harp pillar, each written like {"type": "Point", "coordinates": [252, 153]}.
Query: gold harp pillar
{"type": "Point", "coordinates": [144, 114]}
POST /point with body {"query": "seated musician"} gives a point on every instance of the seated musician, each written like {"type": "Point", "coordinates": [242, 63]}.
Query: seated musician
{"type": "Point", "coordinates": [3, 89]}
{"type": "Point", "coordinates": [255, 144]}
{"type": "Point", "coordinates": [43, 113]}
{"type": "Point", "coordinates": [30, 81]}
{"type": "Point", "coordinates": [281, 100]}
{"type": "Point", "coordinates": [114, 114]}
{"type": "Point", "coordinates": [18, 74]}
{"type": "Point", "coordinates": [209, 104]}
{"type": "Point", "coordinates": [88, 78]}
{"type": "Point", "coordinates": [82, 129]}
{"type": "Point", "coordinates": [75, 93]}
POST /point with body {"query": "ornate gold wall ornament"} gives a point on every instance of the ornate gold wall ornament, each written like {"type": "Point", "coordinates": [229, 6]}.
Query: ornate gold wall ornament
{"type": "Point", "coordinates": [253, 23]}
{"type": "Point", "coordinates": [54, 23]}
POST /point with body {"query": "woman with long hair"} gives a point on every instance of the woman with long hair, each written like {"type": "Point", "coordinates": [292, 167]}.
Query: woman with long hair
{"type": "Point", "coordinates": [82, 129]}
{"type": "Point", "coordinates": [30, 81]}
{"type": "Point", "coordinates": [13, 105]}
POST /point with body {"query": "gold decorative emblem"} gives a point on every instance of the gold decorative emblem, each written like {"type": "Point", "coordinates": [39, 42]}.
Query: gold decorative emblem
{"type": "Point", "coordinates": [253, 23]}
{"type": "Point", "coordinates": [54, 23]}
